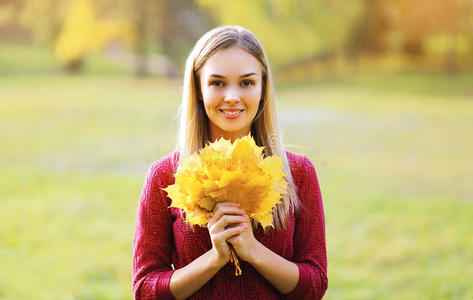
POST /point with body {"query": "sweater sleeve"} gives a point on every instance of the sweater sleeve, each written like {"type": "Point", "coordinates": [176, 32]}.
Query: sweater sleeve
{"type": "Point", "coordinates": [309, 238]}
{"type": "Point", "coordinates": [153, 239]}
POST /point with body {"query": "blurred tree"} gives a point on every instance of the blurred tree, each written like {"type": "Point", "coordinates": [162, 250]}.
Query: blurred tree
{"type": "Point", "coordinates": [422, 19]}
{"type": "Point", "coordinates": [296, 33]}
{"type": "Point", "coordinates": [82, 32]}
{"type": "Point", "coordinates": [417, 19]}
{"type": "Point", "coordinates": [142, 18]}
{"type": "Point", "coordinates": [141, 38]}
{"type": "Point", "coordinates": [369, 31]}
{"type": "Point", "coordinates": [293, 31]}
{"type": "Point", "coordinates": [77, 27]}
{"type": "Point", "coordinates": [460, 30]}
{"type": "Point", "coordinates": [71, 25]}
{"type": "Point", "coordinates": [415, 28]}
{"type": "Point", "coordinates": [181, 24]}
{"type": "Point", "coordinates": [74, 40]}
{"type": "Point", "coordinates": [7, 10]}
{"type": "Point", "coordinates": [43, 18]}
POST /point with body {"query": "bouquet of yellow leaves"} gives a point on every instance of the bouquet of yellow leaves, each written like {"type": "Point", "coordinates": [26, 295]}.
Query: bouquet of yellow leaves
{"type": "Point", "coordinates": [225, 171]}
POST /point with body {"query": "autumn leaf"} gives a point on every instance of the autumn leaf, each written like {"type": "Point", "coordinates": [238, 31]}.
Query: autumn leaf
{"type": "Point", "coordinates": [225, 171]}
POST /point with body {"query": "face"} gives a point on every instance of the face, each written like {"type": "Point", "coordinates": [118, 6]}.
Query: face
{"type": "Point", "coordinates": [231, 85]}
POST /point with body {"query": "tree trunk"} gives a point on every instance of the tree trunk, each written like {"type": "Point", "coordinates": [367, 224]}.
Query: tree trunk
{"type": "Point", "coordinates": [141, 53]}
{"type": "Point", "coordinates": [451, 61]}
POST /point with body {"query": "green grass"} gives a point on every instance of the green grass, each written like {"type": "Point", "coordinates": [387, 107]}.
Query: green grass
{"type": "Point", "coordinates": [20, 60]}
{"type": "Point", "coordinates": [393, 160]}
{"type": "Point", "coordinates": [396, 175]}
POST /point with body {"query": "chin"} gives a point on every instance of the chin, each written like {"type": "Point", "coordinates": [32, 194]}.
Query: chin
{"type": "Point", "coordinates": [231, 130]}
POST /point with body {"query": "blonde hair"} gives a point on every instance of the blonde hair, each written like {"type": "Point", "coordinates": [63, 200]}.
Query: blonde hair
{"type": "Point", "coordinates": [194, 132]}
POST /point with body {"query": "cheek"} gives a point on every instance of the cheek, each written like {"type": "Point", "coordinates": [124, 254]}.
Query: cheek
{"type": "Point", "coordinates": [210, 97]}
{"type": "Point", "coordinates": [211, 108]}
{"type": "Point", "coordinates": [254, 96]}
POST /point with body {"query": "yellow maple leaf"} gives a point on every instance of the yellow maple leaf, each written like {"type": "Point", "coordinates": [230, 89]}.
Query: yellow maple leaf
{"type": "Point", "coordinates": [225, 171]}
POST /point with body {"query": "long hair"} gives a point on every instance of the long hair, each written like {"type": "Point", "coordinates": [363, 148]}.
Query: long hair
{"type": "Point", "coordinates": [194, 132]}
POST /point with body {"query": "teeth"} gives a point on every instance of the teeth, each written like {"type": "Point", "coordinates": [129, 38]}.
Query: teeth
{"type": "Point", "coordinates": [231, 112]}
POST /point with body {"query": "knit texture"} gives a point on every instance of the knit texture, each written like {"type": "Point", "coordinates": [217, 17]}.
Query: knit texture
{"type": "Point", "coordinates": [163, 239]}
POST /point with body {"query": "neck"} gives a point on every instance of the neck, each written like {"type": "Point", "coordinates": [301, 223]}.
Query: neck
{"type": "Point", "coordinates": [232, 136]}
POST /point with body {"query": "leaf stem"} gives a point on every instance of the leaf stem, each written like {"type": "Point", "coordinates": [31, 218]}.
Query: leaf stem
{"type": "Point", "coordinates": [234, 260]}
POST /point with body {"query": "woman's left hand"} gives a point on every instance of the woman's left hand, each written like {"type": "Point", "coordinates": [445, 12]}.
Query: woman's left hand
{"type": "Point", "coordinates": [245, 243]}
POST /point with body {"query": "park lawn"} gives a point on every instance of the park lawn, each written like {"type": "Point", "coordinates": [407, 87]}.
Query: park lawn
{"type": "Point", "coordinates": [396, 176]}
{"type": "Point", "coordinates": [394, 165]}
{"type": "Point", "coordinates": [73, 158]}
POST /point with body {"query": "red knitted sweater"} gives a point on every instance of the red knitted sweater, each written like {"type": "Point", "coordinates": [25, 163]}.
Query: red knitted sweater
{"type": "Point", "coordinates": [162, 238]}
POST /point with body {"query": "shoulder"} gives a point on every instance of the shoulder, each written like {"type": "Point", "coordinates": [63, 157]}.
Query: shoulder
{"type": "Point", "coordinates": [164, 169]}
{"type": "Point", "coordinates": [303, 174]}
{"type": "Point", "coordinates": [300, 164]}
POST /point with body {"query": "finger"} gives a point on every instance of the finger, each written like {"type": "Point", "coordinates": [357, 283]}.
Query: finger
{"type": "Point", "coordinates": [226, 210]}
{"type": "Point", "coordinates": [220, 205]}
{"type": "Point", "coordinates": [234, 239]}
{"type": "Point", "coordinates": [231, 232]}
{"type": "Point", "coordinates": [227, 221]}
{"type": "Point", "coordinates": [227, 203]}
{"type": "Point", "coordinates": [222, 208]}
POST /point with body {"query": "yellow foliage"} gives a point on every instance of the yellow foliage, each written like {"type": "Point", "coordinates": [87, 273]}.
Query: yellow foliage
{"type": "Point", "coordinates": [279, 24]}
{"type": "Point", "coordinates": [83, 33]}
{"type": "Point", "coordinates": [225, 171]}
{"type": "Point", "coordinates": [6, 13]}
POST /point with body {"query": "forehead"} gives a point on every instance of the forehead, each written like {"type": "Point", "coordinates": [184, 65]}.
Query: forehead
{"type": "Point", "coordinates": [231, 61]}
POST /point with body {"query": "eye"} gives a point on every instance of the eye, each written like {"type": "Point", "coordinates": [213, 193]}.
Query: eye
{"type": "Point", "coordinates": [247, 83]}
{"type": "Point", "coordinates": [217, 83]}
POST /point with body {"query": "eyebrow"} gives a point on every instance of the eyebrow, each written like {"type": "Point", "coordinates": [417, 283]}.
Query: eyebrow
{"type": "Point", "coordinates": [244, 75]}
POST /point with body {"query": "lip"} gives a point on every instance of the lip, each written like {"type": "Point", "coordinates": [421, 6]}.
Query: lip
{"type": "Point", "coordinates": [231, 113]}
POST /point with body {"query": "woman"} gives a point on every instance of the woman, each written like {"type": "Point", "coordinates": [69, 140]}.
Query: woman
{"type": "Point", "coordinates": [228, 93]}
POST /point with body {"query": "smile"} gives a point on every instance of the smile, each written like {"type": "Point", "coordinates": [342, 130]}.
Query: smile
{"type": "Point", "coordinates": [231, 113]}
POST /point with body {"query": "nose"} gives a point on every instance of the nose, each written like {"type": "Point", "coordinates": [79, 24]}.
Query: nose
{"type": "Point", "coordinates": [231, 95]}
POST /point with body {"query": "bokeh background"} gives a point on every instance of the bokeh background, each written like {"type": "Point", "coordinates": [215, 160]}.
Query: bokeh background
{"type": "Point", "coordinates": [378, 93]}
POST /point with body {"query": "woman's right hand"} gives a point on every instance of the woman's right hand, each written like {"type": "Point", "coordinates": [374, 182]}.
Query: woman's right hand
{"type": "Point", "coordinates": [228, 221]}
